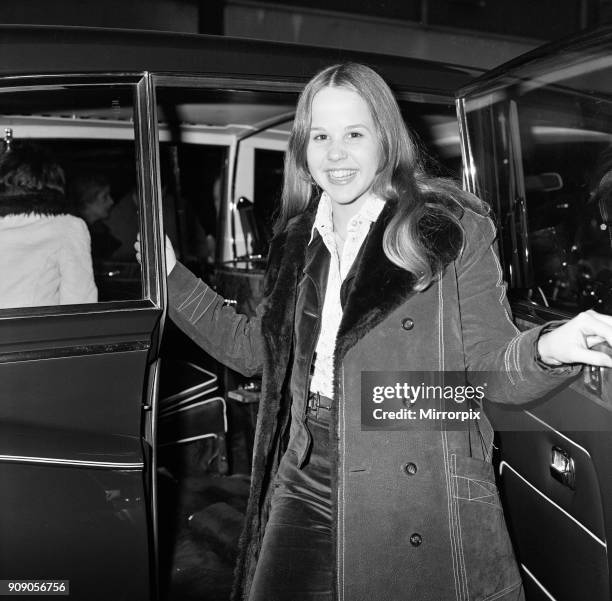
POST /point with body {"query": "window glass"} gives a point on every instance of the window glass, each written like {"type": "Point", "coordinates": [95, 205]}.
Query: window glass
{"type": "Point", "coordinates": [567, 165]}
{"type": "Point", "coordinates": [436, 132]}
{"type": "Point", "coordinates": [192, 178]}
{"type": "Point", "coordinates": [68, 197]}
{"type": "Point", "coordinates": [541, 154]}
{"type": "Point", "coordinates": [269, 169]}
{"type": "Point", "coordinates": [214, 192]}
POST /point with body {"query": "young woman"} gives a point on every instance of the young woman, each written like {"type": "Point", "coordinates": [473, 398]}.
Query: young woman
{"type": "Point", "coordinates": [375, 267]}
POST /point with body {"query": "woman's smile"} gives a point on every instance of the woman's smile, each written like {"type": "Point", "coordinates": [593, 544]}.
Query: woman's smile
{"type": "Point", "coordinates": [341, 177]}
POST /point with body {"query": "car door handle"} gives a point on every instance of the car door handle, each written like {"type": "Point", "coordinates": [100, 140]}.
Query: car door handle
{"type": "Point", "coordinates": [592, 379]}
{"type": "Point", "coordinates": [562, 467]}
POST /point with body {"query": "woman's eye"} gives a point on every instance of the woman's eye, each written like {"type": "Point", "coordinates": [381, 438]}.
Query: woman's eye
{"type": "Point", "coordinates": [320, 137]}
{"type": "Point", "coordinates": [355, 134]}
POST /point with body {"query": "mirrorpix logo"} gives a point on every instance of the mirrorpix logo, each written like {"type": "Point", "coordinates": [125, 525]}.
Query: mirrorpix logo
{"type": "Point", "coordinates": [419, 400]}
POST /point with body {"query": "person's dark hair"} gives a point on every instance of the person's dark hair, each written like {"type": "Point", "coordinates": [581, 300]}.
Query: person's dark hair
{"type": "Point", "coordinates": [424, 206]}
{"type": "Point", "coordinates": [84, 188]}
{"type": "Point", "coordinates": [31, 181]}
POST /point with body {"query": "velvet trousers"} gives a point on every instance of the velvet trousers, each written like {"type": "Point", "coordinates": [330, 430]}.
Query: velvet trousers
{"type": "Point", "coordinates": [295, 562]}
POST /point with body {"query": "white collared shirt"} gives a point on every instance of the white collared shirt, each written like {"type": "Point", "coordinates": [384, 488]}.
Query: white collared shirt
{"type": "Point", "coordinates": [339, 266]}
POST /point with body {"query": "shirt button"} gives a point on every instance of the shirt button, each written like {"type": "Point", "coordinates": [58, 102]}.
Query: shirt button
{"type": "Point", "coordinates": [407, 323]}
{"type": "Point", "coordinates": [410, 468]}
{"type": "Point", "coordinates": [416, 539]}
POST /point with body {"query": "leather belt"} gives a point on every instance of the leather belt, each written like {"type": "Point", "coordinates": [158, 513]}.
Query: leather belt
{"type": "Point", "coordinates": [319, 406]}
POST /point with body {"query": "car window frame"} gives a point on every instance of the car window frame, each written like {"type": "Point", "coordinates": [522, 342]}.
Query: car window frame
{"type": "Point", "coordinates": [153, 284]}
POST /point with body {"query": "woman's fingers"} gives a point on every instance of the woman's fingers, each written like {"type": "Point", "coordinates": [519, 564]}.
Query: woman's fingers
{"type": "Point", "coordinates": [591, 357]}
{"type": "Point", "coordinates": [595, 327]}
{"type": "Point", "coordinates": [591, 341]}
{"type": "Point", "coordinates": [137, 248]}
{"type": "Point", "coordinates": [572, 342]}
{"type": "Point", "coordinates": [170, 254]}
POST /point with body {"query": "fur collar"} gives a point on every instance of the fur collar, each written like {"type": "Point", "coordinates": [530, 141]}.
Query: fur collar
{"type": "Point", "coordinates": [45, 202]}
{"type": "Point", "coordinates": [376, 288]}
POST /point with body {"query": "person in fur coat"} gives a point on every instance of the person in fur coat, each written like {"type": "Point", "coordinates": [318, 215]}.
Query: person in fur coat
{"type": "Point", "coordinates": [45, 252]}
{"type": "Point", "coordinates": [375, 267]}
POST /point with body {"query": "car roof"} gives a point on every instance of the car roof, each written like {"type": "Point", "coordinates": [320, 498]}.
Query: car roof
{"type": "Point", "coordinates": [46, 50]}
{"type": "Point", "coordinates": [587, 52]}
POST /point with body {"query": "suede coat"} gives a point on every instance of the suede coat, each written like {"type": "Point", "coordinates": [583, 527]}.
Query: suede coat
{"type": "Point", "coordinates": [417, 511]}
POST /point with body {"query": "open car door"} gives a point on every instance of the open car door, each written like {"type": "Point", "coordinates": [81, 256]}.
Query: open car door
{"type": "Point", "coordinates": [537, 137]}
{"type": "Point", "coordinates": [77, 381]}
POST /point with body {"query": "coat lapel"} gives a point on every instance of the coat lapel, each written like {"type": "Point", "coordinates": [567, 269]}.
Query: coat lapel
{"type": "Point", "coordinates": [317, 267]}
{"type": "Point", "coordinates": [375, 288]}
{"type": "Point", "coordinates": [289, 252]}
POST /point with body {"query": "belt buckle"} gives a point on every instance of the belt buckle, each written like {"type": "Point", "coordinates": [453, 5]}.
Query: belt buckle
{"type": "Point", "coordinates": [314, 403]}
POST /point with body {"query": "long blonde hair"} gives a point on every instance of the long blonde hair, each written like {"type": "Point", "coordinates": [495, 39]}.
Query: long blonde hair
{"type": "Point", "coordinates": [423, 205]}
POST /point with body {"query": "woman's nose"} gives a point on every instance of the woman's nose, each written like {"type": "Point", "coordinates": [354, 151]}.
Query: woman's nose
{"type": "Point", "coordinates": [336, 151]}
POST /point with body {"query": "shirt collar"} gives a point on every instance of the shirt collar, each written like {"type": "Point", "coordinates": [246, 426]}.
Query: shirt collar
{"type": "Point", "coordinates": [323, 222]}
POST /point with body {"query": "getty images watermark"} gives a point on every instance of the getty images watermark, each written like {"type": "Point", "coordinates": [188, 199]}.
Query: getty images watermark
{"type": "Point", "coordinates": [427, 400]}
{"type": "Point", "coordinates": [420, 400]}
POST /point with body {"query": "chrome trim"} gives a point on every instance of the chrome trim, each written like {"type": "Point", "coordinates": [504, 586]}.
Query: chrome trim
{"type": "Point", "coordinates": [183, 440]}
{"type": "Point", "coordinates": [227, 83]}
{"type": "Point", "coordinates": [541, 421]}
{"type": "Point", "coordinates": [266, 124]}
{"type": "Point", "coordinates": [72, 462]}
{"type": "Point", "coordinates": [148, 186]}
{"type": "Point", "coordinates": [210, 386]}
{"type": "Point", "coordinates": [150, 435]}
{"type": "Point", "coordinates": [154, 257]}
{"type": "Point", "coordinates": [232, 168]}
{"type": "Point", "coordinates": [201, 80]}
{"type": "Point", "coordinates": [174, 406]}
{"type": "Point", "coordinates": [405, 95]}
{"type": "Point", "coordinates": [74, 310]}
{"type": "Point", "coordinates": [518, 193]}
{"type": "Point", "coordinates": [571, 517]}
{"type": "Point", "coordinates": [66, 80]}
{"type": "Point", "coordinates": [469, 170]}
{"type": "Point", "coordinates": [174, 411]}
{"type": "Point", "coordinates": [542, 587]}
{"type": "Point", "coordinates": [74, 351]}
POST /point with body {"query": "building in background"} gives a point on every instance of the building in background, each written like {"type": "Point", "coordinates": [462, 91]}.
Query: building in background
{"type": "Point", "coordinates": [478, 33]}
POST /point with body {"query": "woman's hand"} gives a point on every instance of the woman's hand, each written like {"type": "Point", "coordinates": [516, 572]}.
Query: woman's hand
{"type": "Point", "coordinates": [137, 249]}
{"type": "Point", "coordinates": [170, 254]}
{"type": "Point", "coordinates": [572, 341]}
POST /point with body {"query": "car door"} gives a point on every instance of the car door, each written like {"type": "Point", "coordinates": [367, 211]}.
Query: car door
{"type": "Point", "coordinates": [537, 138]}
{"type": "Point", "coordinates": [77, 381]}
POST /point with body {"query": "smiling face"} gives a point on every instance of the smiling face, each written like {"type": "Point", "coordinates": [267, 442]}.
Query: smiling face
{"type": "Point", "coordinates": [343, 151]}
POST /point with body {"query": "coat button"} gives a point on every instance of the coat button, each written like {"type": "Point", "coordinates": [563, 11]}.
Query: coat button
{"type": "Point", "coordinates": [410, 468]}
{"type": "Point", "coordinates": [407, 323]}
{"type": "Point", "coordinates": [416, 539]}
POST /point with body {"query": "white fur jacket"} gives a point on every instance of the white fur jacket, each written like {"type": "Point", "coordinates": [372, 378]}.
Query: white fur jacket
{"type": "Point", "coordinates": [45, 260]}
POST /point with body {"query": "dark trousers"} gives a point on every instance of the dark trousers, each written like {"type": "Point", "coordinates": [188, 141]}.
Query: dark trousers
{"type": "Point", "coordinates": [295, 562]}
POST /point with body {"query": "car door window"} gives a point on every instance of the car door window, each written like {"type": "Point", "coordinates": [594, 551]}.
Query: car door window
{"type": "Point", "coordinates": [541, 152]}
{"type": "Point", "coordinates": [211, 142]}
{"type": "Point", "coordinates": [74, 245]}
{"type": "Point", "coordinates": [567, 163]}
